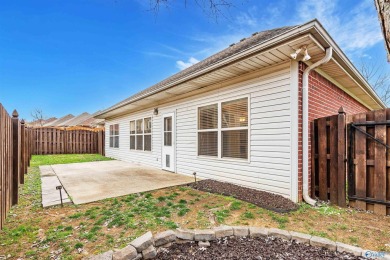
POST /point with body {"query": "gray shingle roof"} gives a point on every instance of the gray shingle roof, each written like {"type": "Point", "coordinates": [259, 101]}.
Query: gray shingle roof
{"type": "Point", "coordinates": [60, 120]}
{"type": "Point", "coordinates": [244, 44]}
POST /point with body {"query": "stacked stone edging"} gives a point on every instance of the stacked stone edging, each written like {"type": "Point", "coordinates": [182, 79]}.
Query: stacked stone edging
{"type": "Point", "coordinates": [147, 246]}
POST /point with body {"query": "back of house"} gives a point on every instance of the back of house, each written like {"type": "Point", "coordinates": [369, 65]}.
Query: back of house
{"type": "Point", "coordinates": [242, 115]}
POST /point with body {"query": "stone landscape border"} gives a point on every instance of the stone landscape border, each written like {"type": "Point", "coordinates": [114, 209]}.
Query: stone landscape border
{"type": "Point", "coordinates": [147, 246]}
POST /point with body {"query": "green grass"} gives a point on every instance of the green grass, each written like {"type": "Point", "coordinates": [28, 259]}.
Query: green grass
{"type": "Point", "coordinates": [236, 205]}
{"type": "Point", "coordinates": [38, 160]}
{"type": "Point", "coordinates": [32, 232]}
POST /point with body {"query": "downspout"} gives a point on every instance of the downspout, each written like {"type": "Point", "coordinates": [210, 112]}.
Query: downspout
{"type": "Point", "coordinates": [305, 124]}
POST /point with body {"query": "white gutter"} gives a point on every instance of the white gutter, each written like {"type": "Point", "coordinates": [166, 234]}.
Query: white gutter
{"type": "Point", "coordinates": [305, 124]}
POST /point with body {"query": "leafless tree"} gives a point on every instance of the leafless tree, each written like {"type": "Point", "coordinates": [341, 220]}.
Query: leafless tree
{"type": "Point", "coordinates": [38, 116]}
{"type": "Point", "coordinates": [378, 78]}
{"type": "Point", "coordinates": [212, 8]}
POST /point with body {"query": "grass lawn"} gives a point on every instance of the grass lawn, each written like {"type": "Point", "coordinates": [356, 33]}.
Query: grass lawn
{"type": "Point", "coordinates": [73, 232]}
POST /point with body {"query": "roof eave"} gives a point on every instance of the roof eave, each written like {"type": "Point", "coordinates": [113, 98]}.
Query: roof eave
{"type": "Point", "coordinates": [326, 40]}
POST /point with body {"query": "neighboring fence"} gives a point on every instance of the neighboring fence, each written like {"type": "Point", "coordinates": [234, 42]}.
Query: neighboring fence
{"type": "Point", "coordinates": [369, 161]}
{"type": "Point", "coordinates": [48, 140]}
{"type": "Point", "coordinates": [15, 155]}
{"type": "Point", "coordinates": [353, 151]}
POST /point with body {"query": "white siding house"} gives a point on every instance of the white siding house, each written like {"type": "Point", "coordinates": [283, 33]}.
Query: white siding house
{"type": "Point", "coordinates": [268, 166]}
{"type": "Point", "coordinates": [234, 116]}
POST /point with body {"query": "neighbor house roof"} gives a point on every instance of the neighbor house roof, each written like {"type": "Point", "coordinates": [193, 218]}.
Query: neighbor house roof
{"type": "Point", "coordinates": [256, 43]}
{"type": "Point", "coordinates": [59, 120]}
{"type": "Point", "coordinates": [41, 122]}
{"type": "Point", "coordinates": [383, 8]}
{"type": "Point", "coordinates": [76, 120]}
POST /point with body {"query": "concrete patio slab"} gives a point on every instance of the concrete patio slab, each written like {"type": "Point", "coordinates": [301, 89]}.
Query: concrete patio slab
{"type": "Point", "coordinates": [93, 181]}
{"type": "Point", "coordinates": [50, 195]}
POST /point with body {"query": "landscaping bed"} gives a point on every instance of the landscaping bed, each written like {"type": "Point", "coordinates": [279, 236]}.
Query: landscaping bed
{"type": "Point", "coordinates": [250, 248]}
{"type": "Point", "coordinates": [259, 198]}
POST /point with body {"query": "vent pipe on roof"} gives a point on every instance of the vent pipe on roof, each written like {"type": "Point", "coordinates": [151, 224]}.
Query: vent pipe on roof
{"type": "Point", "coordinates": [305, 124]}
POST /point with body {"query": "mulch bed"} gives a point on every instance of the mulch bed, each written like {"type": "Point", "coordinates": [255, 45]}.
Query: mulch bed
{"type": "Point", "coordinates": [249, 248]}
{"type": "Point", "coordinates": [259, 198]}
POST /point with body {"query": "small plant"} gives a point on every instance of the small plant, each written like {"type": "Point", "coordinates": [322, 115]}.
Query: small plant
{"type": "Point", "coordinates": [161, 198]}
{"type": "Point", "coordinates": [247, 215]}
{"type": "Point", "coordinates": [78, 245]}
{"type": "Point", "coordinates": [221, 215]}
{"type": "Point", "coordinates": [170, 224]}
{"type": "Point", "coordinates": [281, 220]}
{"type": "Point", "coordinates": [353, 240]}
{"type": "Point", "coordinates": [183, 211]}
{"type": "Point", "coordinates": [236, 205]}
{"type": "Point", "coordinates": [182, 201]}
{"type": "Point", "coordinates": [76, 215]}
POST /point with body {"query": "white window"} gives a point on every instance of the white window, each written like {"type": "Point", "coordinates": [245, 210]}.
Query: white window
{"type": "Point", "coordinates": [226, 122]}
{"type": "Point", "coordinates": [141, 134]}
{"type": "Point", "coordinates": [114, 136]}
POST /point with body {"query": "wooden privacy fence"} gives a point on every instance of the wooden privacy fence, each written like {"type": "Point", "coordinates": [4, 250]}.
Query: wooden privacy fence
{"type": "Point", "coordinates": [328, 148]}
{"type": "Point", "coordinates": [15, 155]}
{"type": "Point", "coordinates": [353, 152]}
{"type": "Point", "coordinates": [47, 140]}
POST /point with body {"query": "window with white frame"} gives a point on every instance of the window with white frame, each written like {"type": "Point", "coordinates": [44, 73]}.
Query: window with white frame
{"type": "Point", "coordinates": [226, 122]}
{"type": "Point", "coordinates": [114, 136]}
{"type": "Point", "coordinates": [141, 134]}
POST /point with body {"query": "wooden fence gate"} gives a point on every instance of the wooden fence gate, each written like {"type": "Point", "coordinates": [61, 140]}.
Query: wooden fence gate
{"type": "Point", "coordinates": [48, 140]}
{"type": "Point", "coordinates": [353, 152]}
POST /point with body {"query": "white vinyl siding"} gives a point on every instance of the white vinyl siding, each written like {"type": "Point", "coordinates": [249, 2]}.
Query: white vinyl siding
{"type": "Point", "coordinates": [268, 166]}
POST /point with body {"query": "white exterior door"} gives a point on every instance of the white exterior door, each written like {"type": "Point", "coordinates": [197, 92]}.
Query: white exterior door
{"type": "Point", "coordinates": [168, 144]}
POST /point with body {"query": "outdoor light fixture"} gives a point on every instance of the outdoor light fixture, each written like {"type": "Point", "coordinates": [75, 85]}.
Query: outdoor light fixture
{"type": "Point", "coordinates": [155, 111]}
{"type": "Point", "coordinates": [294, 55]}
{"type": "Point", "coordinates": [306, 55]}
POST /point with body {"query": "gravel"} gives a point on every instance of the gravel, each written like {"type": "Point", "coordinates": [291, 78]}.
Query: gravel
{"type": "Point", "coordinates": [259, 198]}
{"type": "Point", "coordinates": [250, 248]}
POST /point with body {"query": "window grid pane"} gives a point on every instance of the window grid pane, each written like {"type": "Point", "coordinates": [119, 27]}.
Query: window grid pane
{"type": "Point", "coordinates": [147, 125]}
{"type": "Point", "coordinates": [132, 142]}
{"type": "Point", "coordinates": [235, 113]}
{"type": "Point", "coordinates": [132, 127]}
{"type": "Point", "coordinates": [208, 143]}
{"type": "Point", "coordinates": [139, 142]}
{"type": "Point", "coordinates": [147, 142]}
{"type": "Point", "coordinates": [235, 144]}
{"type": "Point", "coordinates": [208, 117]}
{"type": "Point", "coordinates": [139, 128]}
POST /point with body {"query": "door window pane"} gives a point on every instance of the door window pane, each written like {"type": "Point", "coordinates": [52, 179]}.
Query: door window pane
{"type": "Point", "coordinates": [168, 138]}
{"type": "Point", "coordinates": [168, 124]}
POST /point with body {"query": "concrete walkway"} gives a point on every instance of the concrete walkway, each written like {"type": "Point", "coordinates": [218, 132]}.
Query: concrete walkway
{"type": "Point", "coordinates": [93, 181]}
{"type": "Point", "coordinates": [50, 195]}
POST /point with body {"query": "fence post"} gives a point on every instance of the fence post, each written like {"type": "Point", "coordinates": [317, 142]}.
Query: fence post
{"type": "Point", "coordinates": [21, 152]}
{"type": "Point", "coordinates": [15, 156]}
{"type": "Point", "coordinates": [342, 174]}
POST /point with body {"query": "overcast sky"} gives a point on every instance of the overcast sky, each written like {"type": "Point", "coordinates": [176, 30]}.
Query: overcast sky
{"type": "Point", "coordinates": [71, 56]}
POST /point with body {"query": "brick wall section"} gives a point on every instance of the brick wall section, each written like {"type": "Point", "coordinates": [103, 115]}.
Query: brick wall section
{"type": "Point", "coordinates": [325, 99]}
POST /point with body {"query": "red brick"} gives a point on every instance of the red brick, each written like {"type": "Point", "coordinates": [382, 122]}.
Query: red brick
{"type": "Point", "coordinates": [325, 99]}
